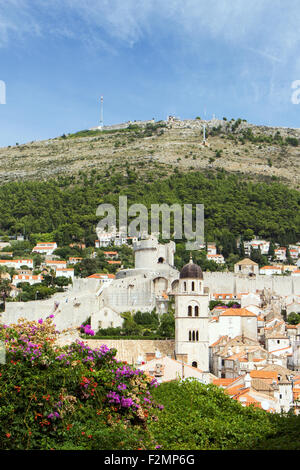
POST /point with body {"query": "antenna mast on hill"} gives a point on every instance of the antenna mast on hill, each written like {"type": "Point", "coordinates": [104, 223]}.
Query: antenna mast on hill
{"type": "Point", "coordinates": [101, 113]}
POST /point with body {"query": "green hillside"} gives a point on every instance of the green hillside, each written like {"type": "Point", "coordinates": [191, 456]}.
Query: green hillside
{"type": "Point", "coordinates": [65, 208]}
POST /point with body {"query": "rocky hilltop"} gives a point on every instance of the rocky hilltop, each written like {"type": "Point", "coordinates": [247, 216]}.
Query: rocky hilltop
{"type": "Point", "coordinates": [258, 152]}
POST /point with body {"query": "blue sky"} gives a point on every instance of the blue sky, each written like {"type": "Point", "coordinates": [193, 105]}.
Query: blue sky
{"type": "Point", "coordinates": [149, 59]}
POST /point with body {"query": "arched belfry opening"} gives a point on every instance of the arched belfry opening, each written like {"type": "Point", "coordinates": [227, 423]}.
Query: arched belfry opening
{"type": "Point", "coordinates": [160, 260]}
{"type": "Point", "coordinates": [194, 364]}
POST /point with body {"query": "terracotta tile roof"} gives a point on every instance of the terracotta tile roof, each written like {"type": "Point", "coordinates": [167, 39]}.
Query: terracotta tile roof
{"type": "Point", "coordinates": [101, 276]}
{"type": "Point", "coordinates": [54, 261]}
{"type": "Point", "coordinates": [64, 269]}
{"type": "Point", "coordinates": [15, 260]}
{"type": "Point", "coordinates": [217, 342]}
{"type": "Point", "coordinates": [281, 349]}
{"type": "Point", "coordinates": [46, 244]}
{"type": "Point", "coordinates": [223, 296]}
{"type": "Point", "coordinates": [262, 385]}
{"type": "Point", "coordinates": [274, 326]}
{"type": "Point", "coordinates": [223, 382]}
{"type": "Point", "coordinates": [232, 391]}
{"type": "Point", "coordinates": [237, 312]}
{"type": "Point", "coordinates": [263, 374]}
{"type": "Point", "coordinates": [28, 277]}
{"type": "Point", "coordinates": [271, 267]}
{"type": "Point", "coordinates": [233, 357]}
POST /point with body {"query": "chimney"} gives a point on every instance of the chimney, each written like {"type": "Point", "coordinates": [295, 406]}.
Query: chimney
{"type": "Point", "coordinates": [159, 369]}
{"type": "Point", "coordinates": [248, 381]}
{"type": "Point", "coordinates": [150, 356]}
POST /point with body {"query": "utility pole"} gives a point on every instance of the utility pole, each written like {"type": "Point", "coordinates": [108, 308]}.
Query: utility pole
{"type": "Point", "coordinates": [101, 113]}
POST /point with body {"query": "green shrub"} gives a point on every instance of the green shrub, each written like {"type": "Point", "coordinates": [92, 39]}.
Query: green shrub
{"type": "Point", "coordinates": [71, 397]}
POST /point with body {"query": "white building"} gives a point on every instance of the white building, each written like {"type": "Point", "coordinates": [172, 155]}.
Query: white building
{"type": "Point", "coordinates": [263, 245]}
{"type": "Point", "coordinates": [65, 272]}
{"type": "Point", "coordinates": [270, 270]}
{"type": "Point", "coordinates": [55, 264]}
{"type": "Point", "coordinates": [75, 259]}
{"type": "Point", "coordinates": [165, 369]}
{"type": "Point", "coordinates": [191, 318]}
{"type": "Point", "coordinates": [219, 259]}
{"type": "Point", "coordinates": [277, 342]}
{"type": "Point", "coordinates": [30, 278]}
{"type": "Point", "coordinates": [238, 321]}
{"type": "Point", "coordinates": [294, 252]}
{"type": "Point", "coordinates": [246, 267]}
{"type": "Point", "coordinates": [280, 254]}
{"type": "Point", "coordinates": [211, 249]}
{"type": "Point", "coordinates": [45, 248]}
{"type": "Point", "coordinates": [16, 263]}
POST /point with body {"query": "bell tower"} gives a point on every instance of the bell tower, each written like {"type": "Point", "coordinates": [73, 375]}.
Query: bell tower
{"type": "Point", "coordinates": [191, 318]}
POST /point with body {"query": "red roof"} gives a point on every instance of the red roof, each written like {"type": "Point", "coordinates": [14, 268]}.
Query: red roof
{"type": "Point", "coordinates": [237, 312]}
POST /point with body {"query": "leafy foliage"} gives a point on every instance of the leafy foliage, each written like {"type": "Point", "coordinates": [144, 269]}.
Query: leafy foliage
{"type": "Point", "coordinates": [203, 417]}
{"type": "Point", "coordinates": [66, 208]}
{"type": "Point", "coordinates": [71, 397]}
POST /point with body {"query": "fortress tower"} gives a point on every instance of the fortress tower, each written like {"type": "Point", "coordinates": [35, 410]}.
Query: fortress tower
{"type": "Point", "coordinates": [148, 253]}
{"type": "Point", "coordinates": [191, 318]}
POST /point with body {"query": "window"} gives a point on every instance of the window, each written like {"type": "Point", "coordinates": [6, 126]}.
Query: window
{"type": "Point", "coordinates": [184, 286]}
{"type": "Point", "coordinates": [190, 310]}
{"type": "Point", "coordinates": [193, 336]}
{"type": "Point", "coordinates": [194, 364]}
{"type": "Point", "coordinates": [196, 311]}
{"type": "Point", "coordinates": [190, 336]}
{"type": "Point", "coordinates": [193, 286]}
{"type": "Point", "coordinates": [197, 335]}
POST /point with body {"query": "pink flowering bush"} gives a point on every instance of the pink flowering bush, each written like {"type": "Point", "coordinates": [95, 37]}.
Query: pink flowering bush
{"type": "Point", "coordinates": [71, 397]}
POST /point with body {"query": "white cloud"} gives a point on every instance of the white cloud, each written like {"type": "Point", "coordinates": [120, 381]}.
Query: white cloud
{"type": "Point", "coordinates": [269, 27]}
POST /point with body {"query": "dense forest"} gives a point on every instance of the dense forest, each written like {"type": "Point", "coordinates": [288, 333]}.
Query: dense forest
{"type": "Point", "coordinates": [64, 209]}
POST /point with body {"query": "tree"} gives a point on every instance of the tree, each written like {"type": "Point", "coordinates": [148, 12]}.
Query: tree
{"type": "Point", "coordinates": [62, 281]}
{"type": "Point", "coordinates": [271, 252]}
{"type": "Point", "coordinates": [149, 321]}
{"type": "Point", "coordinates": [288, 256]}
{"type": "Point", "coordinates": [293, 318]}
{"type": "Point", "coordinates": [129, 325]}
{"type": "Point", "coordinates": [257, 257]}
{"type": "Point", "coordinates": [248, 235]}
{"type": "Point", "coordinates": [5, 288]}
{"type": "Point", "coordinates": [167, 326]}
{"type": "Point", "coordinates": [242, 249]}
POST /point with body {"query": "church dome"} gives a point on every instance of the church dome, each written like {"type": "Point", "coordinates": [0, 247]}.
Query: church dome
{"type": "Point", "coordinates": [191, 271]}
